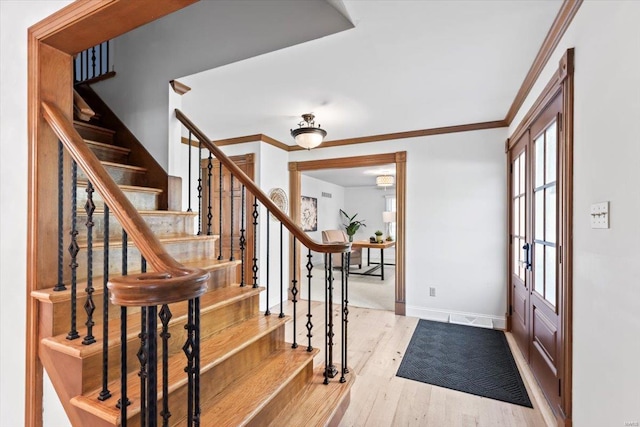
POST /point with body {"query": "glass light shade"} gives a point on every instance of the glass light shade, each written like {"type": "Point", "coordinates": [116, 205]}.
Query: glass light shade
{"type": "Point", "coordinates": [308, 137]}
{"type": "Point", "coordinates": [385, 180]}
{"type": "Point", "coordinates": [388, 216]}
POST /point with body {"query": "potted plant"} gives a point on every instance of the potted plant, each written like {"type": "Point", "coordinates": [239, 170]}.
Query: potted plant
{"type": "Point", "coordinates": [351, 225]}
{"type": "Point", "coordinates": [378, 234]}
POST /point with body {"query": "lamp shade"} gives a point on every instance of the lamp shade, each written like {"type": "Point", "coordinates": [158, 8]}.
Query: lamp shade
{"type": "Point", "coordinates": [388, 216]}
{"type": "Point", "coordinates": [385, 180]}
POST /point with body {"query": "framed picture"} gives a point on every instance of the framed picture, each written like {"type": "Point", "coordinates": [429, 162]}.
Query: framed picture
{"type": "Point", "coordinates": [309, 213]}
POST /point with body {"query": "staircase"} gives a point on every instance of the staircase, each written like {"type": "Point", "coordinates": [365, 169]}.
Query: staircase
{"type": "Point", "coordinates": [248, 373]}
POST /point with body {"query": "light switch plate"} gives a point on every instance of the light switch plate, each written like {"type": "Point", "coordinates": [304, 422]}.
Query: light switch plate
{"type": "Point", "coordinates": [600, 215]}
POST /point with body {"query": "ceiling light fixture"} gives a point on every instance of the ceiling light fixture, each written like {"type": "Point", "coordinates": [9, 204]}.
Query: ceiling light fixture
{"type": "Point", "coordinates": [385, 180]}
{"type": "Point", "coordinates": [308, 136]}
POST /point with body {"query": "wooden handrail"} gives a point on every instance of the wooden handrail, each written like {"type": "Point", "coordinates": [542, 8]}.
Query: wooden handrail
{"type": "Point", "coordinates": [172, 281]}
{"type": "Point", "coordinates": [259, 194]}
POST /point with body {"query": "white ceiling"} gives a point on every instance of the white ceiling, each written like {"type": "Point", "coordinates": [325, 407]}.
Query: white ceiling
{"type": "Point", "coordinates": [352, 177]}
{"type": "Point", "coordinates": [406, 65]}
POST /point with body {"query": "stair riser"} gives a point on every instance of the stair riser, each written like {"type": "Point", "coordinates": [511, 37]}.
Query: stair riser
{"type": "Point", "coordinates": [108, 155]}
{"type": "Point", "coordinates": [141, 200]}
{"type": "Point", "coordinates": [182, 251]}
{"type": "Point", "coordinates": [210, 322]}
{"type": "Point", "coordinates": [121, 176]}
{"type": "Point", "coordinates": [216, 379]}
{"type": "Point", "coordinates": [160, 225]}
{"type": "Point", "coordinates": [94, 134]}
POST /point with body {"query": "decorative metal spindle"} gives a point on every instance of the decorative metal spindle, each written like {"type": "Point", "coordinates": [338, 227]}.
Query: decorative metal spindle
{"type": "Point", "coordinates": [60, 285]}
{"type": "Point", "coordinates": [85, 71]}
{"type": "Point", "coordinates": [343, 257]}
{"type": "Point", "coordinates": [93, 61]}
{"type": "Point", "coordinates": [326, 319]}
{"type": "Point", "coordinates": [243, 238]}
{"type": "Point", "coordinates": [152, 365]}
{"type": "Point", "coordinates": [255, 242]}
{"type": "Point", "coordinates": [266, 311]}
{"type": "Point", "coordinates": [231, 257]}
{"type": "Point", "coordinates": [281, 315]}
{"type": "Point", "coordinates": [331, 369]}
{"type": "Point", "coordinates": [123, 342]}
{"type": "Point", "coordinates": [100, 61]}
{"type": "Point", "coordinates": [105, 393]}
{"type": "Point", "coordinates": [143, 357]}
{"type": "Point", "coordinates": [199, 189]}
{"type": "Point", "coordinates": [106, 62]}
{"type": "Point", "coordinates": [73, 250]}
{"type": "Point", "coordinates": [309, 325]}
{"type": "Point", "coordinates": [165, 316]}
{"type": "Point", "coordinates": [89, 305]}
{"type": "Point", "coordinates": [188, 349]}
{"type": "Point", "coordinates": [196, 350]}
{"type": "Point", "coordinates": [294, 293]}
{"type": "Point", "coordinates": [220, 192]}
{"type": "Point", "coordinates": [345, 312]}
{"type": "Point", "coordinates": [189, 177]}
{"type": "Point", "coordinates": [143, 265]}
{"type": "Point", "coordinates": [209, 214]}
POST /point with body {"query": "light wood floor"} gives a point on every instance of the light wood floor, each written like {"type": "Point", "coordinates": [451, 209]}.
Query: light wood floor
{"type": "Point", "coordinates": [377, 341]}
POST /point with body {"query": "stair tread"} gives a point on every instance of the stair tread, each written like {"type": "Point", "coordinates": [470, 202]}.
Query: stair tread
{"type": "Point", "coordinates": [316, 403]}
{"type": "Point", "coordinates": [212, 300]}
{"type": "Point", "coordinates": [244, 399]}
{"type": "Point", "coordinates": [93, 127]}
{"type": "Point", "coordinates": [49, 294]}
{"type": "Point", "coordinates": [108, 146]}
{"type": "Point", "coordinates": [125, 187]}
{"type": "Point", "coordinates": [213, 350]}
{"type": "Point", "coordinates": [168, 238]}
{"type": "Point", "coordinates": [132, 168]}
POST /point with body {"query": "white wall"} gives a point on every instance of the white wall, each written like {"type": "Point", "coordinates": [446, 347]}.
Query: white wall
{"type": "Point", "coordinates": [455, 220]}
{"type": "Point", "coordinates": [606, 296]}
{"type": "Point", "coordinates": [369, 203]}
{"type": "Point", "coordinates": [328, 208]}
{"type": "Point", "coordinates": [15, 18]}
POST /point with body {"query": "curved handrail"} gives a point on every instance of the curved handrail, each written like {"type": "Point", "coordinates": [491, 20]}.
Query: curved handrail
{"type": "Point", "coordinates": [259, 194]}
{"type": "Point", "coordinates": [172, 282]}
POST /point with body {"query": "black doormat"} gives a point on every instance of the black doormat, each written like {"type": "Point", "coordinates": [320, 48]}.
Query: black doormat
{"type": "Point", "coordinates": [464, 358]}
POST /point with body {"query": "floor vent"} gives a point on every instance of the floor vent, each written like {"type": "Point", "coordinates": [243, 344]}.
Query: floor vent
{"type": "Point", "coordinates": [480, 322]}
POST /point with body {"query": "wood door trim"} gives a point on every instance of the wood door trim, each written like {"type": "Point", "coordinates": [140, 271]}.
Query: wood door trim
{"type": "Point", "coordinates": [560, 24]}
{"type": "Point", "coordinates": [561, 84]}
{"type": "Point", "coordinates": [400, 160]}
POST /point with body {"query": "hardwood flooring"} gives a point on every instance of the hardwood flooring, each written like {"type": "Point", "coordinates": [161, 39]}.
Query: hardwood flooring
{"type": "Point", "coordinates": [377, 341]}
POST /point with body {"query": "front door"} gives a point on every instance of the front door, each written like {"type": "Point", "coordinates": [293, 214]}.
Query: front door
{"type": "Point", "coordinates": [534, 256]}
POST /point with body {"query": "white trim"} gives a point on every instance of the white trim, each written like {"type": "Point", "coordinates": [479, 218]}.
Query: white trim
{"type": "Point", "coordinates": [499, 322]}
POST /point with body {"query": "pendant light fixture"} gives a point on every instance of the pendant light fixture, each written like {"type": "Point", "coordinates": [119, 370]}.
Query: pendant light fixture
{"type": "Point", "coordinates": [307, 135]}
{"type": "Point", "coordinates": [385, 180]}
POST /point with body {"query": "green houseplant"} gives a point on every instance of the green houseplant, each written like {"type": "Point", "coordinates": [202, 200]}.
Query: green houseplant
{"type": "Point", "coordinates": [351, 225]}
{"type": "Point", "coordinates": [378, 234]}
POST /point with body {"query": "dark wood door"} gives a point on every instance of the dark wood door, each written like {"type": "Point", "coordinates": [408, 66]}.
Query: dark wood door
{"type": "Point", "coordinates": [230, 211]}
{"type": "Point", "coordinates": [519, 250]}
{"type": "Point", "coordinates": [534, 263]}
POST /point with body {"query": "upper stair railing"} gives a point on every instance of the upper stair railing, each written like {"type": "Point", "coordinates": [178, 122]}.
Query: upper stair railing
{"type": "Point", "coordinates": [329, 250]}
{"type": "Point", "coordinates": [93, 64]}
{"type": "Point", "coordinates": [151, 291]}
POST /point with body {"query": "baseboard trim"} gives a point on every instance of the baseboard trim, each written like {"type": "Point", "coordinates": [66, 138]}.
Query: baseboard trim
{"type": "Point", "coordinates": [499, 322]}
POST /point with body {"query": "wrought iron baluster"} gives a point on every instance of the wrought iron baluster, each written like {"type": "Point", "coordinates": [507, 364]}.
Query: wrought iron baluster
{"type": "Point", "coordinates": [60, 285]}
{"type": "Point", "coordinates": [105, 393]}
{"type": "Point", "coordinates": [106, 61]}
{"type": "Point", "coordinates": [143, 356]}
{"type": "Point", "coordinates": [345, 312]}
{"type": "Point", "coordinates": [281, 315]}
{"type": "Point", "coordinates": [331, 369]}
{"type": "Point", "coordinates": [255, 242]}
{"type": "Point", "coordinates": [89, 305]}
{"type": "Point", "coordinates": [85, 71]}
{"type": "Point", "coordinates": [199, 188]}
{"type": "Point", "coordinates": [231, 257]}
{"type": "Point", "coordinates": [309, 324]}
{"type": "Point", "coordinates": [243, 238]}
{"type": "Point", "coordinates": [165, 317]}
{"type": "Point", "coordinates": [209, 214]}
{"type": "Point", "coordinates": [343, 355]}
{"type": "Point", "coordinates": [266, 311]}
{"type": "Point", "coordinates": [220, 257]}
{"type": "Point", "coordinates": [294, 293]}
{"type": "Point", "coordinates": [73, 250]}
{"type": "Point", "coordinates": [326, 319]}
{"type": "Point", "coordinates": [189, 177]}
{"type": "Point", "coordinates": [93, 61]}
{"type": "Point", "coordinates": [188, 349]}
{"type": "Point", "coordinates": [152, 365]}
{"type": "Point", "coordinates": [196, 350]}
{"type": "Point", "coordinates": [123, 342]}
